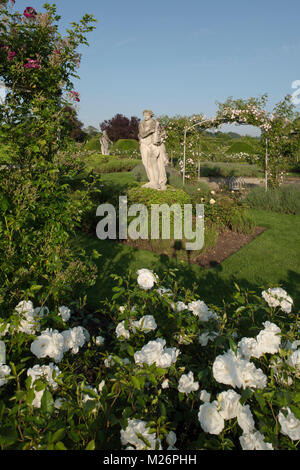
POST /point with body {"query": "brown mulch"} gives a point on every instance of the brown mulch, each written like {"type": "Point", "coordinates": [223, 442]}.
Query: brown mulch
{"type": "Point", "coordinates": [228, 243]}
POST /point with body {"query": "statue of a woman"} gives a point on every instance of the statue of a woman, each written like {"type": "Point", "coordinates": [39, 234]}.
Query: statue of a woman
{"type": "Point", "coordinates": [105, 143]}
{"type": "Point", "coordinates": [153, 151]}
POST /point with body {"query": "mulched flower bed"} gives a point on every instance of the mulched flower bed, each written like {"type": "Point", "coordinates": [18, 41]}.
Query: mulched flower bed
{"type": "Point", "coordinates": [228, 243]}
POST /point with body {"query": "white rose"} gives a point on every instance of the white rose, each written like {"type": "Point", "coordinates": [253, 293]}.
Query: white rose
{"type": "Point", "coordinates": [204, 396]}
{"type": "Point", "coordinates": [254, 441]}
{"type": "Point", "coordinates": [210, 419]}
{"type": "Point", "coordinates": [146, 279]}
{"type": "Point", "coordinates": [99, 340]}
{"type": "Point", "coordinates": [130, 435]}
{"type": "Point", "coordinates": [186, 383]}
{"type": "Point", "coordinates": [229, 403]}
{"type": "Point", "coordinates": [121, 330]}
{"type": "Point", "coordinates": [146, 324]}
{"type": "Point", "coordinates": [50, 343]}
{"type": "Point", "coordinates": [64, 312]}
{"type": "Point", "coordinates": [201, 310]}
{"type": "Point", "coordinates": [290, 425]}
{"type": "Point", "coordinates": [268, 340]}
{"type": "Point", "coordinates": [4, 371]}
{"type": "Point", "coordinates": [245, 419]}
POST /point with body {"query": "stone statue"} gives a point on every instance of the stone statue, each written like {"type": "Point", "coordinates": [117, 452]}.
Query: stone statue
{"type": "Point", "coordinates": [105, 143]}
{"type": "Point", "coordinates": [153, 151]}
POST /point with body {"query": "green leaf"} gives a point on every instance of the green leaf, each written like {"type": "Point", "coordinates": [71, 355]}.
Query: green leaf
{"type": "Point", "coordinates": [47, 403]}
{"type": "Point", "coordinates": [58, 435]}
{"type": "Point", "coordinates": [91, 445]}
{"type": "Point", "coordinates": [136, 382]}
{"type": "Point", "coordinates": [60, 446]}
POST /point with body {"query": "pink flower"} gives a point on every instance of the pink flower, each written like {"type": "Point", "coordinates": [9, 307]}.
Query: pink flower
{"type": "Point", "coordinates": [30, 12]}
{"type": "Point", "coordinates": [11, 55]}
{"type": "Point", "coordinates": [75, 95]}
{"type": "Point", "coordinates": [32, 64]}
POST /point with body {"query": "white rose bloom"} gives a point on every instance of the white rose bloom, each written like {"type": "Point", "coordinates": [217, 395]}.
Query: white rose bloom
{"type": "Point", "coordinates": [204, 396]}
{"type": "Point", "coordinates": [109, 362]}
{"type": "Point", "coordinates": [278, 297]}
{"type": "Point", "coordinates": [39, 372]}
{"type": "Point", "coordinates": [204, 338]}
{"type": "Point", "coordinates": [245, 419]}
{"type": "Point", "coordinates": [165, 384]}
{"type": "Point", "coordinates": [146, 279]}
{"type": "Point", "coordinates": [254, 441]}
{"type": "Point", "coordinates": [4, 371]}
{"type": "Point", "coordinates": [290, 425]}
{"type": "Point", "coordinates": [146, 324]}
{"type": "Point", "coordinates": [135, 427]}
{"type": "Point", "coordinates": [186, 383]}
{"type": "Point", "coordinates": [101, 385]}
{"type": "Point", "coordinates": [248, 347]}
{"type": "Point", "coordinates": [58, 403]}
{"type": "Point", "coordinates": [164, 291]}
{"type": "Point", "coordinates": [74, 338]}
{"type": "Point", "coordinates": [280, 373]}
{"type": "Point", "coordinates": [201, 310]}
{"type": "Point", "coordinates": [179, 306]}
{"type": "Point", "coordinates": [210, 419]}
{"type": "Point", "coordinates": [268, 340]}
{"type": "Point", "coordinates": [64, 312]}
{"type": "Point", "coordinates": [85, 397]}
{"type": "Point", "coordinates": [154, 353]}
{"type": "Point", "coordinates": [228, 404]}
{"type": "Point", "coordinates": [24, 307]}
{"type": "Point", "coordinates": [50, 343]}
{"type": "Point", "coordinates": [294, 361]}
{"type": "Point", "coordinates": [99, 340]}
{"type": "Point", "coordinates": [121, 330]}
{"type": "Point", "coordinates": [171, 439]}
{"type": "Point", "coordinates": [4, 328]}
{"type": "Point", "coordinates": [237, 372]}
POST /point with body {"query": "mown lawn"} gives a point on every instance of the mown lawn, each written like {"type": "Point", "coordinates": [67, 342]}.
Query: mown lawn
{"type": "Point", "coordinates": [271, 259]}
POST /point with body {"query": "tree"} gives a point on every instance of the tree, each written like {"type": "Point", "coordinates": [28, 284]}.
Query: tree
{"type": "Point", "coordinates": [120, 127]}
{"type": "Point", "coordinates": [73, 124]}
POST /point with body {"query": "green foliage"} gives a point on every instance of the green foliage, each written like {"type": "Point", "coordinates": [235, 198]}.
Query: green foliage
{"type": "Point", "coordinates": [225, 170]}
{"type": "Point", "coordinates": [238, 147]}
{"type": "Point", "coordinates": [93, 143]}
{"type": "Point", "coordinates": [39, 211]}
{"type": "Point", "coordinates": [285, 200]}
{"type": "Point", "coordinates": [150, 196]}
{"type": "Point", "coordinates": [125, 146]}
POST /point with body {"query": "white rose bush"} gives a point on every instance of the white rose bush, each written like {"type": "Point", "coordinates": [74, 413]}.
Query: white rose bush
{"type": "Point", "coordinates": [157, 369]}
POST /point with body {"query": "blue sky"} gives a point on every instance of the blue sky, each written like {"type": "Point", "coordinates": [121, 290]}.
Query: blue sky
{"type": "Point", "coordinates": [180, 57]}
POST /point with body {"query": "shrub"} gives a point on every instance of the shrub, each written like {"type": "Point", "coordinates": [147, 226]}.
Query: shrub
{"type": "Point", "coordinates": [225, 170]}
{"type": "Point", "coordinates": [93, 144]}
{"type": "Point", "coordinates": [150, 196]}
{"type": "Point", "coordinates": [285, 199]}
{"type": "Point", "coordinates": [126, 146]}
{"type": "Point", "coordinates": [214, 378]}
{"type": "Point", "coordinates": [240, 147]}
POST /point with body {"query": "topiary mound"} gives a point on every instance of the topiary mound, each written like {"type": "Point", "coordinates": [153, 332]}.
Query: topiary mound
{"type": "Point", "coordinates": [240, 147]}
{"type": "Point", "coordinates": [148, 196]}
{"type": "Point", "coordinates": [125, 146]}
{"type": "Point", "coordinates": [93, 144]}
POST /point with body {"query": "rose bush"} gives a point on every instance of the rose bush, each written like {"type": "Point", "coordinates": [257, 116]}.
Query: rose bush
{"type": "Point", "coordinates": [147, 381]}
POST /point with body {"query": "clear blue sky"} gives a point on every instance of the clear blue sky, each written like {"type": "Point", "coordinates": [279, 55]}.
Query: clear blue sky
{"type": "Point", "coordinates": [181, 56]}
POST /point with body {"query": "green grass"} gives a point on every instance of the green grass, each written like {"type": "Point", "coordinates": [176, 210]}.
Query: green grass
{"type": "Point", "coordinates": [270, 259]}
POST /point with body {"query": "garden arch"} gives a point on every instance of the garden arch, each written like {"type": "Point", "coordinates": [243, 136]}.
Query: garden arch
{"type": "Point", "coordinates": [250, 115]}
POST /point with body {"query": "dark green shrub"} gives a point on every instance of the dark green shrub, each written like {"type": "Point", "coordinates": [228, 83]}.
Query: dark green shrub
{"type": "Point", "coordinates": [225, 170]}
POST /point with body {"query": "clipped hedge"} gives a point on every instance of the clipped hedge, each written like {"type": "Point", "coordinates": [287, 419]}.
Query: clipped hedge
{"type": "Point", "coordinates": [126, 145]}
{"type": "Point", "coordinates": [239, 147]}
